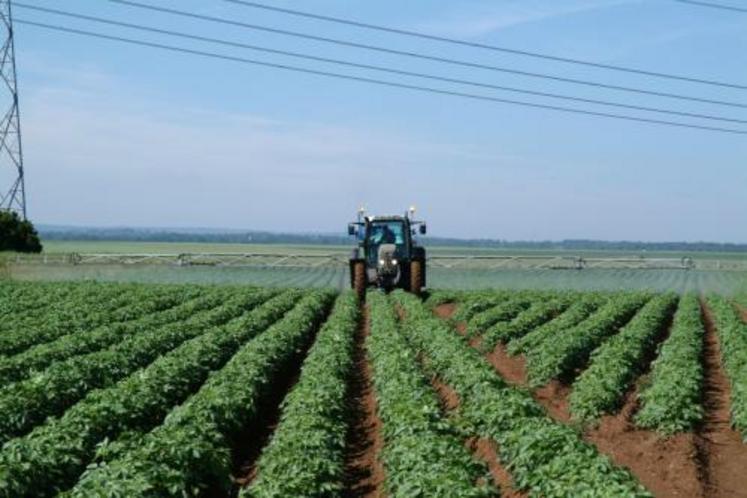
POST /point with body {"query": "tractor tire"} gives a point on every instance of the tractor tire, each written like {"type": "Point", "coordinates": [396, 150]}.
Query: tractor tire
{"type": "Point", "coordinates": [359, 280]}
{"type": "Point", "coordinates": [416, 277]}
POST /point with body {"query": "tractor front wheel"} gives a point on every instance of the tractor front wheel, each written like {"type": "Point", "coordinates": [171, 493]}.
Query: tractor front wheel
{"type": "Point", "coordinates": [359, 279]}
{"type": "Point", "coordinates": [416, 277]}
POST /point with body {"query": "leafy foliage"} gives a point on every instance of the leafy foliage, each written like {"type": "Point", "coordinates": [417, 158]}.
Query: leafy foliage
{"type": "Point", "coordinates": [27, 403]}
{"type": "Point", "coordinates": [572, 348]}
{"type": "Point", "coordinates": [575, 314]}
{"type": "Point", "coordinates": [546, 458]}
{"type": "Point", "coordinates": [614, 365]}
{"type": "Point", "coordinates": [313, 421]}
{"type": "Point", "coordinates": [538, 313]}
{"type": "Point", "coordinates": [191, 449]}
{"type": "Point", "coordinates": [88, 305]}
{"type": "Point", "coordinates": [17, 234]}
{"type": "Point", "coordinates": [473, 303]}
{"type": "Point", "coordinates": [53, 456]}
{"type": "Point", "coordinates": [732, 334]}
{"type": "Point", "coordinates": [422, 454]}
{"type": "Point", "coordinates": [506, 310]}
{"type": "Point", "coordinates": [671, 402]}
{"type": "Point", "coordinates": [156, 308]}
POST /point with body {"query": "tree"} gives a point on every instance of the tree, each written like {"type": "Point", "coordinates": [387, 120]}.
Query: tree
{"type": "Point", "coordinates": [17, 234]}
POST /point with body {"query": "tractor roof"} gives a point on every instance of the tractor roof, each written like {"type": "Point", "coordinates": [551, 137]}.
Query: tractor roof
{"type": "Point", "coordinates": [386, 218]}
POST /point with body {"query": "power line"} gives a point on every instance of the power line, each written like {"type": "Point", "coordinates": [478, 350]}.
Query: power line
{"type": "Point", "coordinates": [709, 4]}
{"type": "Point", "coordinates": [421, 56]}
{"type": "Point", "coordinates": [376, 68]}
{"type": "Point", "coordinates": [377, 81]}
{"type": "Point", "coordinates": [526, 53]}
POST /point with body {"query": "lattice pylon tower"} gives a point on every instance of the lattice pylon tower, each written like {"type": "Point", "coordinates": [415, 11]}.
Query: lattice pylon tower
{"type": "Point", "coordinates": [12, 187]}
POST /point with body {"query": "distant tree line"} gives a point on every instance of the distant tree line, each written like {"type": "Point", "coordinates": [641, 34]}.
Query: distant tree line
{"type": "Point", "coordinates": [257, 237]}
{"type": "Point", "coordinates": [17, 234]}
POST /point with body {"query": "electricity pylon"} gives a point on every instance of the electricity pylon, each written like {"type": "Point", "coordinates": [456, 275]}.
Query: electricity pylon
{"type": "Point", "coordinates": [12, 188]}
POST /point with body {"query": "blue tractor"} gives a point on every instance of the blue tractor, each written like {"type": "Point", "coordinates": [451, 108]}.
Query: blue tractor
{"type": "Point", "coordinates": [387, 254]}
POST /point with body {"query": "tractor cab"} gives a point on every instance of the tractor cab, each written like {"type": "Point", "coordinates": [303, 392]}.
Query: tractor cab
{"type": "Point", "coordinates": [387, 254]}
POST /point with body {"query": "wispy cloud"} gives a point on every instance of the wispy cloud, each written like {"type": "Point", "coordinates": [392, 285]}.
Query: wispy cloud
{"type": "Point", "coordinates": [475, 19]}
{"type": "Point", "coordinates": [97, 155]}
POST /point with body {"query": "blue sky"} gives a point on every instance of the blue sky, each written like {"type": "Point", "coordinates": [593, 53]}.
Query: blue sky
{"type": "Point", "coordinates": [119, 135]}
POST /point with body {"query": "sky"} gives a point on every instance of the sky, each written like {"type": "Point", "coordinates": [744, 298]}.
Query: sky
{"type": "Point", "coordinates": [119, 135]}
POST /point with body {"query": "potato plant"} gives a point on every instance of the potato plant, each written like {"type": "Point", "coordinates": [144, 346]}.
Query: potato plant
{"type": "Point", "coordinates": [672, 400]}
{"type": "Point", "coordinates": [616, 363]}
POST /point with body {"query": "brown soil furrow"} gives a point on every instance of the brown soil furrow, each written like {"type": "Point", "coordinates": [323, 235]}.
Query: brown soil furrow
{"type": "Point", "coordinates": [364, 472]}
{"type": "Point", "coordinates": [512, 368]}
{"type": "Point", "coordinates": [743, 312]}
{"type": "Point", "coordinates": [445, 310]}
{"type": "Point", "coordinates": [668, 467]}
{"type": "Point", "coordinates": [553, 397]}
{"type": "Point", "coordinates": [722, 452]}
{"type": "Point", "coordinates": [447, 396]}
{"type": "Point", "coordinates": [484, 450]}
{"type": "Point", "coordinates": [257, 435]}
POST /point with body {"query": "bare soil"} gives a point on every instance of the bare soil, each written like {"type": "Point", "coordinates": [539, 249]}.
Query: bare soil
{"type": "Point", "coordinates": [743, 312]}
{"type": "Point", "coordinates": [484, 450]}
{"type": "Point", "coordinates": [710, 463]}
{"type": "Point", "coordinates": [445, 310]}
{"type": "Point", "coordinates": [668, 467]}
{"type": "Point", "coordinates": [511, 368]}
{"type": "Point", "coordinates": [722, 452]}
{"type": "Point", "coordinates": [364, 472]}
{"type": "Point", "coordinates": [447, 396]}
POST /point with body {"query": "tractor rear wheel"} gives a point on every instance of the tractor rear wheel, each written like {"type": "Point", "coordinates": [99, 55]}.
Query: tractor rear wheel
{"type": "Point", "coordinates": [416, 277]}
{"type": "Point", "coordinates": [359, 279]}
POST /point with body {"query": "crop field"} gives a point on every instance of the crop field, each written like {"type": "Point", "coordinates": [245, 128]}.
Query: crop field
{"type": "Point", "coordinates": [158, 390]}
{"type": "Point", "coordinates": [316, 274]}
{"type": "Point", "coordinates": [724, 282]}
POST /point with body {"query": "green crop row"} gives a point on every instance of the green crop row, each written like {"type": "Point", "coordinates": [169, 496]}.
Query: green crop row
{"type": "Point", "coordinates": [191, 450]}
{"type": "Point", "coordinates": [537, 314]}
{"type": "Point", "coordinates": [732, 334]}
{"type": "Point", "coordinates": [40, 357]}
{"type": "Point", "coordinates": [575, 314]}
{"type": "Point", "coordinates": [671, 401]}
{"type": "Point", "coordinates": [473, 303]}
{"type": "Point", "coordinates": [21, 298]}
{"type": "Point", "coordinates": [82, 312]}
{"type": "Point", "coordinates": [438, 297]}
{"type": "Point", "coordinates": [422, 454]}
{"type": "Point", "coordinates": [615, 364]}
{"type": "Point", "coordinates": [53, 456]}
{"type": "Point", "coordinates": [506, 310]}
{"type": "Point", "coordinates": [26, 403]}
{"type": "Point", "coordinates": [314, 417]}
{"type": "Point", "coordinates": [86, 307]}
{"type": "Point", "coordinates": [571, 349]}
{"type": "Point", "coordinates": [25, 298]}
{"type": "Point", "coordinates": [544, 458]}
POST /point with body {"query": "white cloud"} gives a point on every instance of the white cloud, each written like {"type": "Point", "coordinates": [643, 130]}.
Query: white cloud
{"type": "Point", "coordinates": [480, 19]}
{"type": "Point", "coordinates": [96, 155]}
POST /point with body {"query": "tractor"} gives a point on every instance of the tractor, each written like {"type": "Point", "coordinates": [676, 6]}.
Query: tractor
{"type": "Point", "coordinates": [387, 255]}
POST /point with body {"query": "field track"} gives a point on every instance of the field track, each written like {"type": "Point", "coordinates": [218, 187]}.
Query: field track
{"type": "Point", "coordinates": [215, 391]}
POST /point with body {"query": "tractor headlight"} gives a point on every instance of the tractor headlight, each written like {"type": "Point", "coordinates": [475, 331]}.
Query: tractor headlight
{"type": "Point", "coordinates": [381, 262]}
{"type": "Point", "coordinates": [394, 262]}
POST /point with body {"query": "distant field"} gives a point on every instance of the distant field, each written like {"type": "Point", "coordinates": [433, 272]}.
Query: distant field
{"type": "Point", "coordinates": [56, 247]}
{"type": "Point", "coordinates": [439, 278]}
{"type": "Point", "coordinates": [728, 282]}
